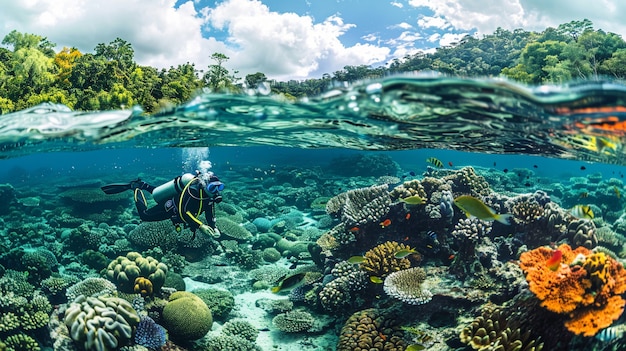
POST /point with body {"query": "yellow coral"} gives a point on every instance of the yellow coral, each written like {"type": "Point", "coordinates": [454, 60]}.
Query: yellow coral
{"type": "Point", "coordinates": [597, 267]}
{"type": "Point", "coordinates": [143, 286]}
{"type": "Point", "coordinates": [380, 260]}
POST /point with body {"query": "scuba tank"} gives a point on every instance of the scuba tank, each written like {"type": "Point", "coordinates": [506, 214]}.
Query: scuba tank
{"type": "Point", "coordinates": [175, 186]}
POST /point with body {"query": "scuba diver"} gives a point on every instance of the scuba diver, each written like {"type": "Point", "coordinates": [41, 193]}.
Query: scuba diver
{"type": "Point", "coordinates": [182, 200]}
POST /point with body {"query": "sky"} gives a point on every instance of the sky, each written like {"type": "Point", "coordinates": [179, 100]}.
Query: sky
{"type": "Point", "coordinates": [289, 39]}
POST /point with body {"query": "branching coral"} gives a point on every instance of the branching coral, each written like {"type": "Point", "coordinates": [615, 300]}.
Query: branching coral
{"type": "Point", "coordinates": [406, 286]}
{"type": "Point", "coordinates": [380, 260]}
{"type": "Point", "coordinates": [585, 285]}
{"type": "Point", "coordinates": [369, 330]}
{"type": "Point", "coordinates": [338, 292]}
{"type": "Point", "coordinates": [491, 331]}
{"type": "Point", "coordinates": [360, 206]}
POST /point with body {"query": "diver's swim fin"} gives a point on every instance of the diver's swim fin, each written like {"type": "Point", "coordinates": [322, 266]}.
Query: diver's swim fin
{"type": "Point", "coordinates": [115, 188]}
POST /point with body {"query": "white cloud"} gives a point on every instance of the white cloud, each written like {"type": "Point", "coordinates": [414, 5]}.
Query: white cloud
{"type": "Point", "coordinates": [430, 22]}
{"type": "Point", "coordinates": [283, 45]}
{"type": "Point", "coordinates": [487, 15]}
{"type": "Point", "coordinates": [402, 25]}
{"type": "Point", "coordinates": [160, 34]}
{"type": "Point", "coordinates": [287, 44]}
{"type": "Point", "coordinates": [397, 4]}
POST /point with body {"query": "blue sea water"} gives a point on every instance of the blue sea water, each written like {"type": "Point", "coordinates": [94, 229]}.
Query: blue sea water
{"type": "Point", "coordinates": [493, 126]}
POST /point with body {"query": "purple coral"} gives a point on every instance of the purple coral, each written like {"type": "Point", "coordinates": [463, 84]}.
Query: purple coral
{"type": "Point", "coordinates": [149, 334]}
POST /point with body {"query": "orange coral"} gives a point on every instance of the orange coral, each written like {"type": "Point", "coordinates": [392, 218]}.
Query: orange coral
{"type": "Point", "coordinates": [586, 285]}
{"type": "Point", "coordinates": [143, 286]}
{"type": "Point", "coordinates": [588, 321]}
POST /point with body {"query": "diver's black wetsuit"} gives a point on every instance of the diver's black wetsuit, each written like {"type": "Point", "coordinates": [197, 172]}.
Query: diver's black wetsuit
{"type": "Point", "coordinates": [194, 202]}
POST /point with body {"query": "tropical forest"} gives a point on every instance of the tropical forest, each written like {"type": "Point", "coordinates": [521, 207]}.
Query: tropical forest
{"type": "Point", "coordinates": [31, 72]}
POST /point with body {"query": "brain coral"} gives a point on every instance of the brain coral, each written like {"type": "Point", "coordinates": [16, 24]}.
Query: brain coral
{"type": "Point", "coordinates": [371, 329]}
{"type": "Point", "coordinates": [101, 323]}
{"type": "Point", "coordinates": [125, 269]}
{"type": "Point", "coordinates": [186, 317]}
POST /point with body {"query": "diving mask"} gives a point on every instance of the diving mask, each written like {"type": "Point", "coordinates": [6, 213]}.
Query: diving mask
{"type": "Point", "coordinates": [214, 187]}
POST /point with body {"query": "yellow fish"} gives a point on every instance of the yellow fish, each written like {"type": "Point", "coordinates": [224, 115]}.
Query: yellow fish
{"type": "Point", "coordinates": [356, 259]}
{"type": "Point", "coordinates": [404, 253]}
{"type": "Point", "coordinates": [435, 162]}
{"type": "Point", "coordinates": [413, 200]}
{"type": "Point", "coordinates": [476, 208]}
{"type": "Point", "coordinates": [616, 191]}
{"type": "Point", "coordinates": [376, 280]}
{"type": "Point", "coordinates": [582, 212]}
{"type": "Point", "coordinates": [415, 347]}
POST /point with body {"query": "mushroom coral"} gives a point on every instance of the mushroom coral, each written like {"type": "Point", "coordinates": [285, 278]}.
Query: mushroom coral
{"type": "Point", "coordinates": [585, 285]}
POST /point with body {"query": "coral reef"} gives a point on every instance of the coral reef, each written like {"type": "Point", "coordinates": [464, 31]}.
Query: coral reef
{"type": "Point", "coordinates": [101, 323]}
{"type": "Point", "coordinates": [220, 302]}
{"type": "Point", "coordinates": [90, 287]}
{"type": "Point", "coordinates": [491, 331]}
{"type": "Point", "coordinates": [371, 329]}
{"type": "Point", "coordinates": [360, 206]}
{"type": "Point", "coordinates": [293, 321]}
{"type": "Point", "coordinates": [241, 328]}
{"type": "Point", "coordinates": [380, 260]}
{"type": "Point", "coordinates": [585, 285]}
{"type": "Point", "coordinates": [338, 293]}
{"type": "Point", "coordinates": [149, 334]}
{"type": "Point", "coordinates": [232, 229]}
{"type": "Point", "coordinates": [124, 270]}
{"type": "Point", "coordinates": [186, 317]}
{"type": "Point", "coordinates": [148, 235]}
{"type": "Point", "coordinates": [406, 286]}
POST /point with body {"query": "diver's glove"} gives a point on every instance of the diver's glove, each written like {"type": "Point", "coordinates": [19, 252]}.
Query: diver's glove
{"type": "Point", "coordinates": [214, 232]}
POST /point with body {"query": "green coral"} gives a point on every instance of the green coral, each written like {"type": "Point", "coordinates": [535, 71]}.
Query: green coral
{"type": "Point", "coordinates": [220, 302]}
{"type": "Point", "coordinates": [101, 323]}
{"type": "Point", "coordinates": [125, 269]}
{"type": "Point", "coordinates": [149, 235]}
{"type": "Point", "coordinates": [224, 342]}
{"type": "Point", "coordinates": [232, 229]}
{"type": "Point", "coordinates": [21, 342]}
{"type": "Point", "coordinates": [293, 321]}
{"type": "Point", "coordinates": [186, 317]}
{"type": "Point", "coordinates": [241, 328]}
{"type": "Point", "coordinates": [56, 286]}
{"type": "Point", "coordinates": [271, 255]}
{"type": "Point", "coordinates": [90, 287]}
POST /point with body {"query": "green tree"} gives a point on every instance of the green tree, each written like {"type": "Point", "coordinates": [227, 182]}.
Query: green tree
{"type": "Point", "coordinates": [218, 77]}
{"type": "Point", "coordinates": [144, 81]}
{"type": "Point", "coordinates": [178, 84]}
{"type": "Point", "coordinates": [253, 80]}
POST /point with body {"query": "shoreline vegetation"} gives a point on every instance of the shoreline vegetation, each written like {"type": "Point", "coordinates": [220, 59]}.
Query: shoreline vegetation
{"type": "Point", "coordinates": [31, 72]}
